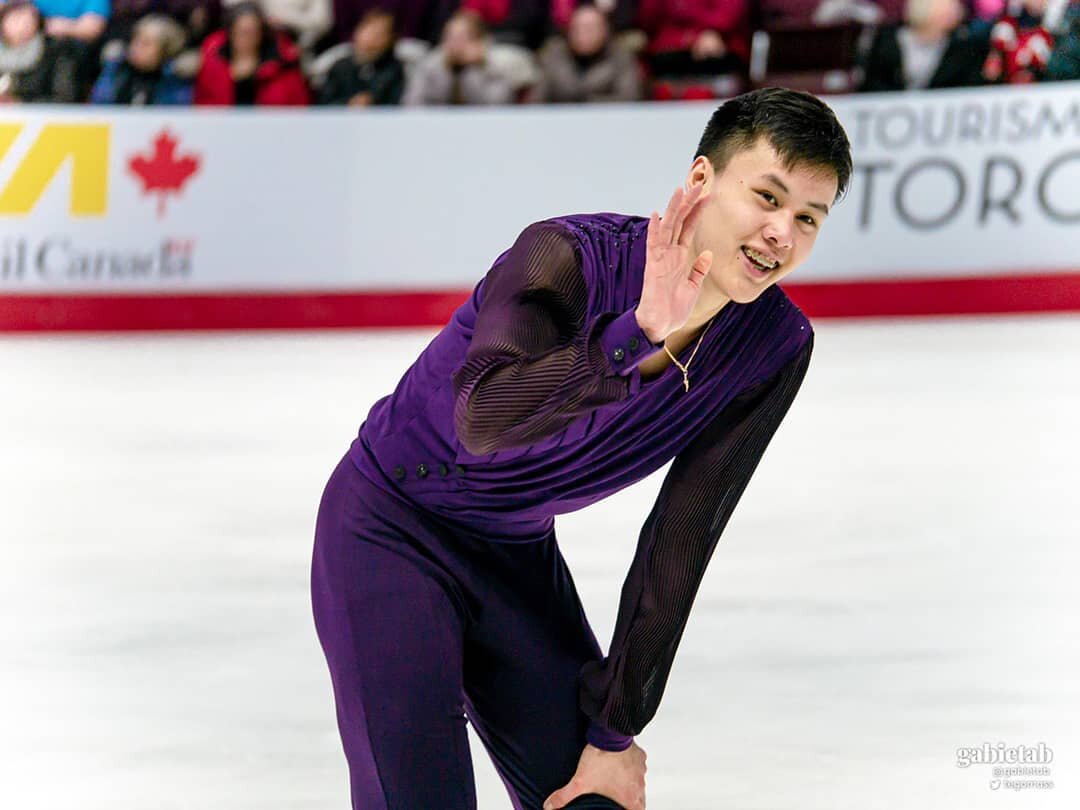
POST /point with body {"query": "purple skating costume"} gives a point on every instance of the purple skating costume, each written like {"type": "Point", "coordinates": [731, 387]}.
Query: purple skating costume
{"type": "Point", "coordinates": [528, 404]}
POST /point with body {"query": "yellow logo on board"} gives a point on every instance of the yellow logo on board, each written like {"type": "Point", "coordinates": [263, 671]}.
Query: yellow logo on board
{"type": "Point", "coordinates": [87, 145]}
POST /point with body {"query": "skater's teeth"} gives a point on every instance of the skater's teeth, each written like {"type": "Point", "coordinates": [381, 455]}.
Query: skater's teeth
{"type": "Point", "coordinates": [760, 259]}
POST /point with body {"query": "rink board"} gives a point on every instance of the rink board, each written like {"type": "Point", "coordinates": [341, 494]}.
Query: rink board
{"type": "Point", "coordinates": [961, 202]}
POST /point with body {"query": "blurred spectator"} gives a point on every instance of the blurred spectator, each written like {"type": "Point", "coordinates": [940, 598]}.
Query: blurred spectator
{"type": "Point", "coordinates": [371, 74]}
{"type": "Point", "coordinates": [199, 17]}
{"type": "Point", "coordinates": [250, 63]}
{"type": "Point", "coordinates": [465, 68]}
{"type": "Point", "coordinates": [932, 49]}
{"type": "Point", "coordinates": [33, 66]}
{"type": "Point", "coordinates": [305, 20]}
{"type": "Point", "coordinates": [621, 14]}
{"type": "Point", "coordinates": [80, 26]}
{"type": "Point", "coordinates": [514, 22]}
{"type": "Point", "coordinates": [412, 18]}
{"type": "Point", "coordinates": [1020, 45]}
{"type": "Point", "coordinates": [1064, 61]}
{"type": "Point", "coordinates": [145, 75]}
{"type": "Point", "coordinates": [696, 37]}
{"type": "Point", "coordinates": [587, 65]}
{"type": "Point", "coordinates": [83, 20]}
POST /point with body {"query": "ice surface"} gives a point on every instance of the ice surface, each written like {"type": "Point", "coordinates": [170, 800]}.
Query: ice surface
{"type": "Point", "coordinates": [900, 579]}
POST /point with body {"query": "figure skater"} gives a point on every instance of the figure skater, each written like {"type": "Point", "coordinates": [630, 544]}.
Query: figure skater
{"type": "Point", "coordinates": [596, 349]}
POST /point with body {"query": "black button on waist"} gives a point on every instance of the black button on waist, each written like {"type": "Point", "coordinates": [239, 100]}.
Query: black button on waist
{"type": "Point", "coordinates": [423, 470]}
{"type": "Point", "coordinates": [634, 344]}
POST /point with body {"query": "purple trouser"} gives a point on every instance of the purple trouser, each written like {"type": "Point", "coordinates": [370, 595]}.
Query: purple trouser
{"type": "Point", "coordinates": [422, 627]}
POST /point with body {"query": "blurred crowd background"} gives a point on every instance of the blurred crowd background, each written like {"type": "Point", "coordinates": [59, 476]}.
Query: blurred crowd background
{"type": "Point", "coordinates": [364, 53]}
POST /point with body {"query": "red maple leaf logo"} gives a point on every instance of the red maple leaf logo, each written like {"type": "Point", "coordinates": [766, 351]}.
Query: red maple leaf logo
{"type": "Point", "coordinates": [163, 172]}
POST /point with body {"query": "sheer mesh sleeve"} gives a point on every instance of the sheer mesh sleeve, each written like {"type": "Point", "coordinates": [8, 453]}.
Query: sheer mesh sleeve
{"type": "Point", "coordinates": [621, 693]}
{"type": "Point", "coordinates": [537, 360]}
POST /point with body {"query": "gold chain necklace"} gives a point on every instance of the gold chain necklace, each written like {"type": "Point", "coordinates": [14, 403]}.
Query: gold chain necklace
{"type": "Point", "coordinates": [682, 368]}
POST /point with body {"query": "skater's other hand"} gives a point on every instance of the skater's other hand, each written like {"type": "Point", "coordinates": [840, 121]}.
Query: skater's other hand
{"type": "Point", "coordinates": [673, 274]}
{"type": "Point", "coordinates": [616, 775]}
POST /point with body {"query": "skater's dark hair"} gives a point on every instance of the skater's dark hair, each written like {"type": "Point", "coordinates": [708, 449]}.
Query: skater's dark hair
{"type": "Point", "coordinates": [799, 126]}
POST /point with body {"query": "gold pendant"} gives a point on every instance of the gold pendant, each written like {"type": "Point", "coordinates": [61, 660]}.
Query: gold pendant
{"type": "Point", "coordinates": [686, 382]}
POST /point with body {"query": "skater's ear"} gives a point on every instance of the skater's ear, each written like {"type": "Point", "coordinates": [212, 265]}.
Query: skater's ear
{"type": "Point", "coordinates": [701, 173]}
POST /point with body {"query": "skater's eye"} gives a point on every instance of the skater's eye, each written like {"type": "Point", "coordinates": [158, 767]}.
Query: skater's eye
{"type": "Point", "coordinates": [809, 220]}
{"type": "Point", "coordinates": [768, 197]}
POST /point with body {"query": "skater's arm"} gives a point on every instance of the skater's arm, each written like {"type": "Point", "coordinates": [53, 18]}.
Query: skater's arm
{"type": "Point", "coordinates": [698, 496]}
{"type": "Point", "coordinates": [537, 359]}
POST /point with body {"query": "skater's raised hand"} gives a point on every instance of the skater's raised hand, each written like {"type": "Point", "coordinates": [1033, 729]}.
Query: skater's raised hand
{"type": "Point", "coordinates": [616, 775]}
{"type": "Point", "coordinates": [673, 275]}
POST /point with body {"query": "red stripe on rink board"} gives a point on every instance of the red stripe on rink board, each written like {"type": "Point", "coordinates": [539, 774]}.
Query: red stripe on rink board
{"type": "Point", "coordinates": [374, 309]}
{"type": "Point", "coordinates": [992, 295]}
{"type": "Point", "coordinates": [231, 310]}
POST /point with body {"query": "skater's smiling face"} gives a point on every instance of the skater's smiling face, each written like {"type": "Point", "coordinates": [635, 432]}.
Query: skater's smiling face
{"type": "Point", "coordinates": [770, 165]}
{"type": "Point", "coordinates": [761, 218]}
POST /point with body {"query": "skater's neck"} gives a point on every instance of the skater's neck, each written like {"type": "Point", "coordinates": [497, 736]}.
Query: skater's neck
{"type": "Point", "coordinates": [706, 308]}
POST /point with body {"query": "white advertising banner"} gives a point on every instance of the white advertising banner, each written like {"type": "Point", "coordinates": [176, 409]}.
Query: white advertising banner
{"type": "Point", "coordinates": [947, 184]}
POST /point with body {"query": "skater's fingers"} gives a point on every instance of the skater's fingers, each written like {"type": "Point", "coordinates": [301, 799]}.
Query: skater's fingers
{"type": "Point", "coordinates": [690, 223]}
{"type": "Point", "coordinates": [686, 204]}
{"type": "Point", "coordinates": [667, 230]}
{"type": "Point", "coordinates": [700, 268]}
{"type": "Point", "coordinates": [652, 235]}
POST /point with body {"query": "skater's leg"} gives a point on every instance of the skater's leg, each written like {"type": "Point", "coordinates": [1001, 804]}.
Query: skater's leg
{"type": "Point", "coordinates": [521, 672]}
{"type": "Point", "coordinates": [393, 641]}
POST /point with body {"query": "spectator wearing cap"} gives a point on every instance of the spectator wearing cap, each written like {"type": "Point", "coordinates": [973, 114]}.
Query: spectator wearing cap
{"type": "Point", "coordinates": [932, 48]}
{"type": "Point", "coordinates": [249, 63]}
{"type": "Point", "coordinates": [144, 74]}
{"type": "Point", "coordinates": [696, 37]}
{"type": "Point", "coordinates": [587, 65]}
{"type": "Point", "coordinates": [33, 66]}
{"type": "Point", "coordinates": [463, 68]}
{"type": "Point", "coordinates": [371, 74]}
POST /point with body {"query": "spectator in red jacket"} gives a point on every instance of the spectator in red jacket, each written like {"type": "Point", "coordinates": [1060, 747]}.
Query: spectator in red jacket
{"type": "Point", "coordinates": [696, 37]}
{"type": "Point", "coordinates": [248, 63]}
{"type": "Point", "coordinates": [1020, 44]}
